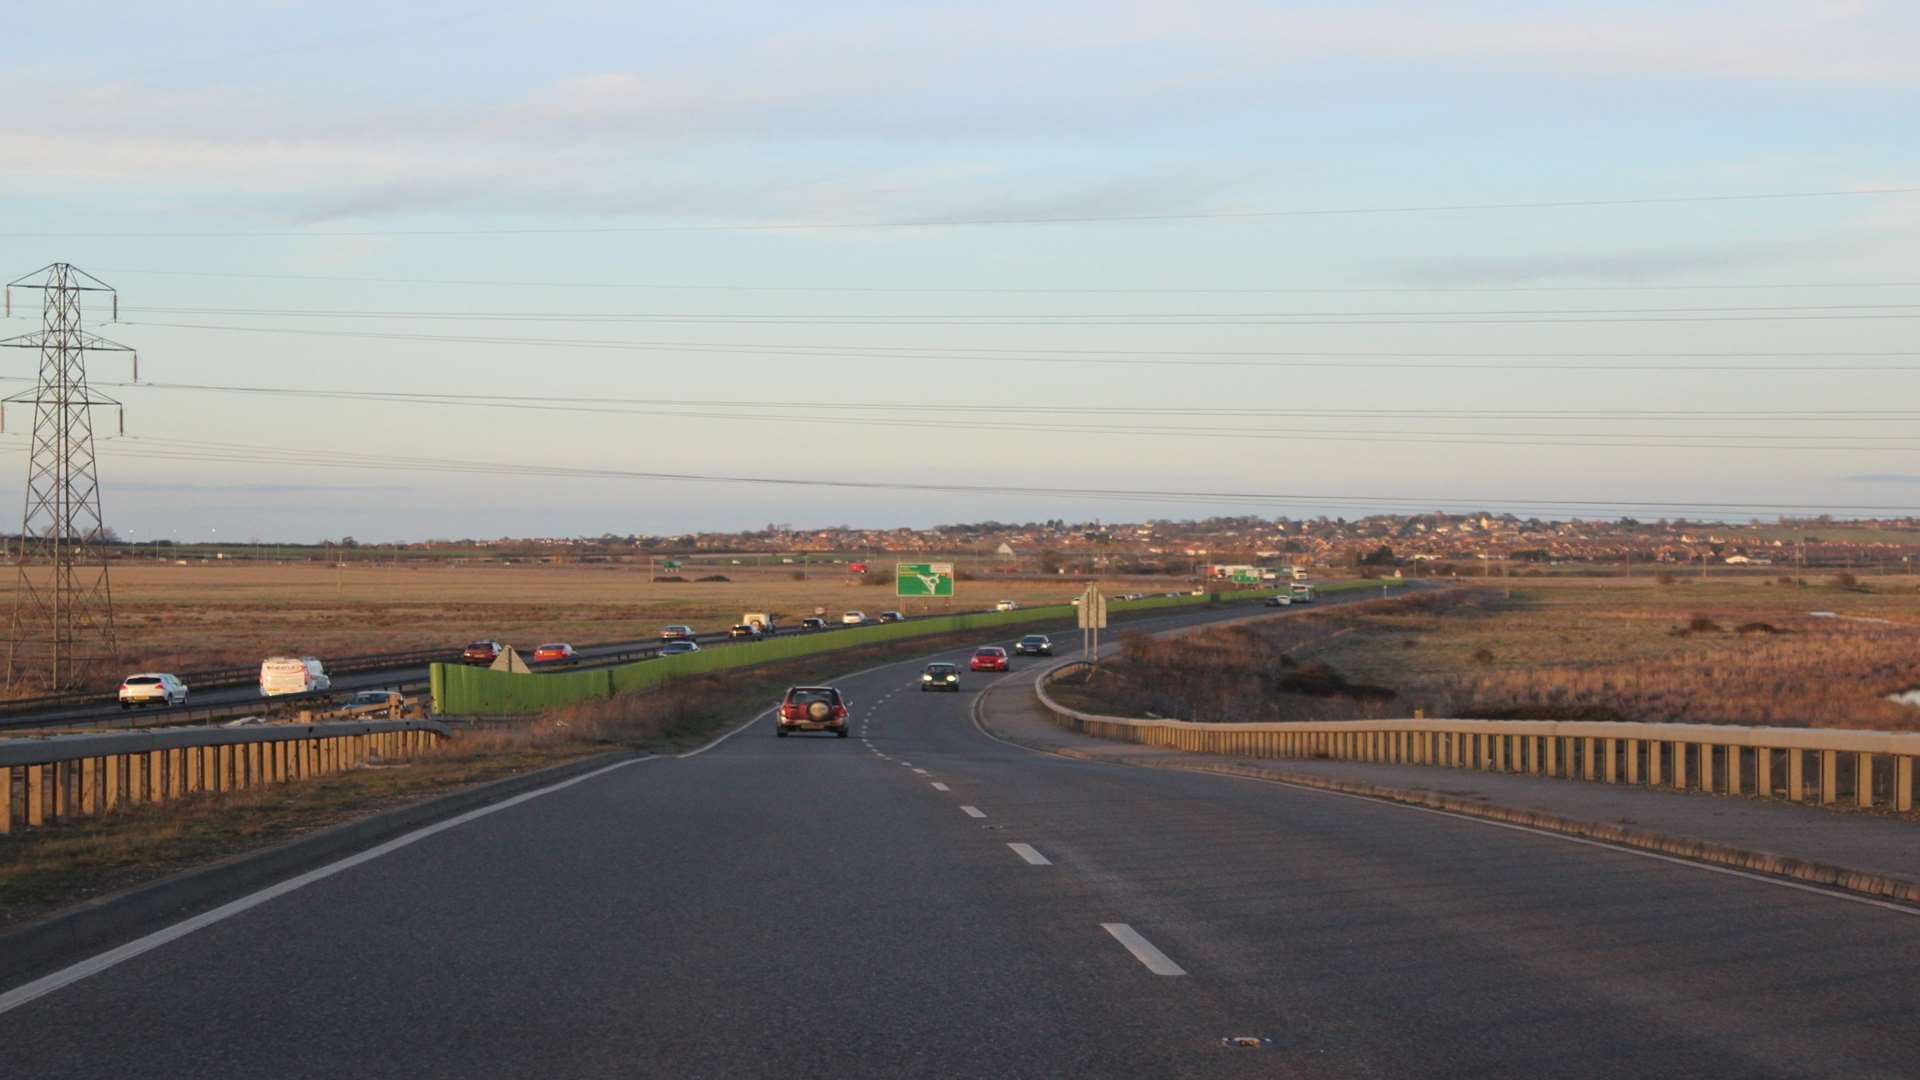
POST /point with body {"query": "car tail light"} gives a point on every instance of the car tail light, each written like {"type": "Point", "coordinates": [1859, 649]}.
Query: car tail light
{"type": "Point", "coordinates": [839, 711]}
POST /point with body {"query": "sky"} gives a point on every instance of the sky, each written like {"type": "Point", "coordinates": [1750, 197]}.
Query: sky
{"type": "Point", "coordinates": [443, 270]}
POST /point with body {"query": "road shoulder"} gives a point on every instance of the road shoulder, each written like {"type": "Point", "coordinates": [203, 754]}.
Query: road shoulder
{"type": "Point", "coordinates": [1857, 853]}
{"type": "Point", "coordinates": [85, 929]}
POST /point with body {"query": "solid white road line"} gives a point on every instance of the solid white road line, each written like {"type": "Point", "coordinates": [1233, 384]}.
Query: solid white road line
{"type": "Point", "coordinates": [922, 772]}
{"type": "Point", "coordinates": [1033, 857]}
{"type": "Point", "coordinates": [730, 734]}
{"type": "Point", "coordinates": [1142, 949]}
{"type": "Point", "coordinates": [938, 786]}
{"type": "Point", "coordinates": [67, 976]}
{"type": "Point", "coordinates": [972, 811]}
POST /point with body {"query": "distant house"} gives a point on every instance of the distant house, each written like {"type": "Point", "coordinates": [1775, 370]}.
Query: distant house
{"type": "Point", "coordinates": [1005, 550]}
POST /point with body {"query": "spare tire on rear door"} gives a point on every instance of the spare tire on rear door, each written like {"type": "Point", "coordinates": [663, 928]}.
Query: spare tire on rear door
{"type": "Point", "coordinates": [819, 711]}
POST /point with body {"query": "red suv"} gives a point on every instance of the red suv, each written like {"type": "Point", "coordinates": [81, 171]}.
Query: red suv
{"type": "Point", "coordinates": [988, 658]}
{"type": "Point", "coordinates": [813, 708]}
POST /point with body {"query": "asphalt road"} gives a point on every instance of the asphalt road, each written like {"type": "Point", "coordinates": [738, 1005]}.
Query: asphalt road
{"type": "Point", "coordinates": [815, 906]}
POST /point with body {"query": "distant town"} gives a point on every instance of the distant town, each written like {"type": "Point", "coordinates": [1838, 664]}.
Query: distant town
{"type": "Point", "coordinates": [1460, 543]}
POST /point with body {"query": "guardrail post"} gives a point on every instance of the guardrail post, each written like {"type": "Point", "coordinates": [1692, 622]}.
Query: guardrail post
{"type": "Point", "coordinates": [1587, 762]}
{"type": "Point", "coordinates": [1829, 776]}
{"type": "Point", "coordinates": [6, 799]}
{"type": "Point", "coordinates": [1796, 774]}
{"type": "Point", "coordinates": [116, 770]}
{"type": "Point", "coordinates": [36, 795]}
{"type": "Point", "coordinates": [1609, 751]}
{"type": "Point", "coordinates": [1903, 783]}
{"type": "Point", "coordinates": [1863, 780]}
{"type": "Point", "coordinates": [1656, 750]}
{"type": "Point", "coordinates": [1735, 779]}
{"type": "Point", "coordinates": [176, 772]}
{"type": "Point", "coordinates": [1705, 754]}
{"type": "Point", "coordinates": [1763, 771]}
{"type": "Point", "coordinates": [1679, 765]}
{"type": "Point", "coordinates": [1633, 761]}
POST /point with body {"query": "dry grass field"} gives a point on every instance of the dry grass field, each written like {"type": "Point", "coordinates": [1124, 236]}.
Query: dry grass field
{"type": "Point", "coordinates": [1732, 651]}
{"type": "Point", "coordinates": [205, 615]}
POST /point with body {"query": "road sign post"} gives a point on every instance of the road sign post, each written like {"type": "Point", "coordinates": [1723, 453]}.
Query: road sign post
{"type": "Point", "coordinates": [1092, 618]}
{"type": "Point", "coordinates": [923, 579]}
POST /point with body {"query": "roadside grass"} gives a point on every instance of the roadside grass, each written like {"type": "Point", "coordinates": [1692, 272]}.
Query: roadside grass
{"type": "Point", "coordinates": [1736, 651]}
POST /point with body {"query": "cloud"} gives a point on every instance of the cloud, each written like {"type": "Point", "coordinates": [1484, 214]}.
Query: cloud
{"type": "Point", "coordinates": [1882, 478]}
{"type": "Point", "coordinates": [255, 489]}
{"type": "Point", "coordinates": [1652, 264]}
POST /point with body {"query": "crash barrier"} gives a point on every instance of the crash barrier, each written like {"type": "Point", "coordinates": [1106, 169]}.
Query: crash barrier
{"type": "Point", "coordinates": [472, 691]}
{"type": "Point", "coordinates": [1864, 768]}
{"type": "Point", "coordinates": [43, 781]}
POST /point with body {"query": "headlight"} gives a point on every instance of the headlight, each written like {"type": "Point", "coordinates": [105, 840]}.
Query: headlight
{"type": "Point", "coordinates": [926, 678]}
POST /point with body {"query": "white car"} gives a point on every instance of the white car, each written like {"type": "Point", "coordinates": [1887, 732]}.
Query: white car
{"type": "Point", "coordinates": [853, 618]}
{"type": "Point", "coordinates": [152, 688]}
{"type": "Point", "coordinates": [1007, 605]}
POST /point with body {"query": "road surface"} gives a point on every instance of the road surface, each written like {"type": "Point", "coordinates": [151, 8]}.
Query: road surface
{"type": "Point", "coordinates": [924, 900]}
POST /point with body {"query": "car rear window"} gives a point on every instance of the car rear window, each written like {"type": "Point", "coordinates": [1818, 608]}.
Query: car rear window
{"type": "Point", "coordinates": [144, 680]}
{"type": "Point", "coordinates": [808, 697]}
{"type": "Point", "coordinates": [986, 652]}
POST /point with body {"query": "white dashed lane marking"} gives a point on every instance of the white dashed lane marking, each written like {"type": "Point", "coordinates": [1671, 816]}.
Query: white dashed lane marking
{"type": "Point", "coordinates": [1142, 949]}
{"type": "Point", "coordinates": [973, 811]}
{"type": "Point", "coordinates": [938, 786]}
{"type": "Point", "coordinates": [1034, 858]}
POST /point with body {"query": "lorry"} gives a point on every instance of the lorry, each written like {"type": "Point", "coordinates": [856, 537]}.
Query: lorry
{"type": "Point", "coordinates": [1301, 593]}
{"type": "Point", "coordinates": [292, 675]}
{"type": "Point", "coordinates": [762, 619]}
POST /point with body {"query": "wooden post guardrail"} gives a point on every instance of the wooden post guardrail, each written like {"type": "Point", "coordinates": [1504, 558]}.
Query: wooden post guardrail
{"type": "Point", "coordinates": [1869, 769]}
{"type": "Point", "coordinates": [43, 781]}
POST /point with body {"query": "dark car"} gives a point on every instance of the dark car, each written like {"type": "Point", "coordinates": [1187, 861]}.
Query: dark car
{"type": "Point", "coordinates": [481, 652]}
{"type": "Point", "coordinates": [1034, 645]}
{"type": "Point", "coordinates": [940, 677]}
{"type": "Point", "coordinates": [812, 708]}
{"type": "Point", "coordinates": [679, 647]}
{"type": "Point", "coordinates": [892, 616]}
{"type": "Point", "coordinates": [676, 633]}
{"type": "Point", "coordinates": [813, 622]}
{"type": "Point", "coordinates": [988, 658]}
{"type": "Point", "coordinates": [749, 631]}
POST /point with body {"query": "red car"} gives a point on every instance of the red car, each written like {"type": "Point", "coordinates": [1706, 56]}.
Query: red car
{"type": "Point", "coordinates": [553, 651]}
{"type": "Point", "coordinates": [988, 658]}
{"type": "Point", "coordinates": [481, 652]}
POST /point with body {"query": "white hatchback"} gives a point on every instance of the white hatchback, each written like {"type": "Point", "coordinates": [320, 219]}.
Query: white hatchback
{"type": "Point", "coordinates": [152, 688]}
{"type": "Point", "coordinates": [853, 618]}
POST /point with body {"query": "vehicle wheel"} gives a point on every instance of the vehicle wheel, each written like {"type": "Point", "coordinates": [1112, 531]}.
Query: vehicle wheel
{"type": "Point", "coordinates": [780, 730]}
{"type": "Point", "coordinates": [124, 706]}
{"type": "Point", "coordinates": [842, 733]}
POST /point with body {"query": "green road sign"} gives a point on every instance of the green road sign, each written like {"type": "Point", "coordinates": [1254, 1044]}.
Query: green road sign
{"type": "Point", "coordinates": [922, 579]}
{"type": "Point", "coordinates": [1246, 576]}
{"type": "Point", "coordinates": [671, 565]}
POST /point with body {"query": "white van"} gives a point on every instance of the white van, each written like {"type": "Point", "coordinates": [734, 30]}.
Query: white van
{"type": "Point", "coordinates": [292, 675]}
{"type": "Point", "coordinates": [762, 619]}
{"type": "Point", "coordinates": [1302, 594]}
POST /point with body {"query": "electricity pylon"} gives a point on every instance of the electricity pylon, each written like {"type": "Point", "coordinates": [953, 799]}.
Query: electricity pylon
{"type": "Point", "coordinates": [62, 604]}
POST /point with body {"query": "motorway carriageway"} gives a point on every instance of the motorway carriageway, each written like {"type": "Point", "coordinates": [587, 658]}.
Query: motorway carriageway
{"type": "Point", "coordinates": [924, 899]}
{"type": "Point", "coordinates": [343, 684]}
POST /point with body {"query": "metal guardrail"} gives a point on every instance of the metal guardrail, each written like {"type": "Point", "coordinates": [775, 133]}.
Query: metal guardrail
{"type": "Point", "coordinates": [1869, 768]}
{"type": "Point", "coordinates": [67, 776]}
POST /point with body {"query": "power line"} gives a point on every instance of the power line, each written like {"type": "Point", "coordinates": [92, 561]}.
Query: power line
{"type": "Point", "coordinates": [1018, 290]}
{"type": "Point", "coordinates": [1757, 313]}
{"type": "Point", "coordinates": [957, 222]}
{"type": "Point", "coordinates": [1037, 355]}
{"type": "Point", "coordinates": [239, 453]}
{"type": "Point", "coordinates": [813, 407]}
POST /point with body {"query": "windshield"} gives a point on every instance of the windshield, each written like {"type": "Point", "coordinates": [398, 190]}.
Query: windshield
{"type": "Point", "coordinates": [1511, 406]}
